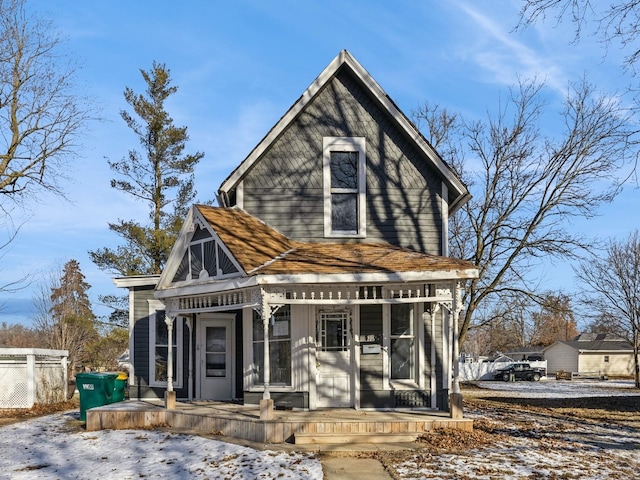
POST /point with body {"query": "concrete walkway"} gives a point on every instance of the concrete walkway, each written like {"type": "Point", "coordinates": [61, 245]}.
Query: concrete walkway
{"type": "Point", "coordinates": [352, 468]}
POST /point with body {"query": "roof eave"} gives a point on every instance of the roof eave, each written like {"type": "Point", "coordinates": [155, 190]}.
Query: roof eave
{"type": "Point", "coordinates": [460, 191]}
{"type": "Point", "coordinates": [136, 281]}
{"type": "Point", "coordinates": [220, 286]}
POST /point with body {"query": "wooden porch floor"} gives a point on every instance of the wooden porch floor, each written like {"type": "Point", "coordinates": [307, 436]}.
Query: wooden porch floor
{"type": "Point", "coordinates": [299, 427]}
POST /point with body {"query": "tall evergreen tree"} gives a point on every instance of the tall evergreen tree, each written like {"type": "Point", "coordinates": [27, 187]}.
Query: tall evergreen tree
{"type": "Point", "coordinates": [162, 176]}
{"type": "Point", "coordinates": [65, 317]}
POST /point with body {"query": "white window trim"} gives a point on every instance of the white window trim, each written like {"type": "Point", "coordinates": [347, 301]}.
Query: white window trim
{"type": "Point", "coordinates": [393, 383]}
{"type": "Point", "coordinates": [252, 385]}
{"type": "Point", "coordinates": [345, 144]}
{"type": "Point", "coordinates": [156, 306]}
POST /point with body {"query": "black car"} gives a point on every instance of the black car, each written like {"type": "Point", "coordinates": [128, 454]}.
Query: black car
{"type": "Point", "coordinates": [519, 371]}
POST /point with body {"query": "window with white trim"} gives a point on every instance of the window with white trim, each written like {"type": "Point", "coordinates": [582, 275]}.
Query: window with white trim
{"type": "Point", "coordinates": [279, 348]}
{"type": "Point", "coordinates": [402, 336]}
{"type": "Point", "coordinates": [159, 347]}
{"type": "Point", "coordinates": [344, 177]}
{"type": "Point", "coordinates": [333, 332]}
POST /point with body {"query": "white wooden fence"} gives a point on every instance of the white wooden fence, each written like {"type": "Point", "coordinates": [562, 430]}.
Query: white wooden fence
{"type": "Point", "coordinates": [32, 375]}
{"type": "Point", "coordinates": [484, 370]}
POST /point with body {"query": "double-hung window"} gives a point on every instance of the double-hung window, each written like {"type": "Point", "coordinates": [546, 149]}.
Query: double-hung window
{"type": "Point", "coordinates": [159, 347]}
{"type": "Point", "coordinates": [279, 348]}
{"type": "Point", "coordinates": [344, 177]}
{"type": "Point", "coordinates": [402, 342]}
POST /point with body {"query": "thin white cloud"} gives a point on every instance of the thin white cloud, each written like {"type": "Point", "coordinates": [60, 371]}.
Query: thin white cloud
{"type": "Point", "coordinates": [498, 52]}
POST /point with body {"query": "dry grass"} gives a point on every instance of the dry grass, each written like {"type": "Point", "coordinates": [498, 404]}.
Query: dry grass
{"type": "Point", "coordinates": [12, 415]}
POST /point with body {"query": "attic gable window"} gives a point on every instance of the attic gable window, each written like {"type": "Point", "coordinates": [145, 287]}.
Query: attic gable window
{"type": "Point", "coordinates": [203, 259]}
{"type": "Point", "coordinates": [344, 176]}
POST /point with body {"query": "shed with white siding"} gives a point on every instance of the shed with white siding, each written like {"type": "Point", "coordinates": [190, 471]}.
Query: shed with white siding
{"type": "Point", "coordinates": [605, 354]}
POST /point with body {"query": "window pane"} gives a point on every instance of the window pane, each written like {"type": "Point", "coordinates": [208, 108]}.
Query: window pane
{"type": "Point", "coordinates": [161, 364]}
{"type": "Point", "coordinates": [402, 319]}
{"type": "Point", "coordinates": [279, 348]}
{"type": "Point", "coordinates": [196, 260]}
{"type": "Point", "coordinates": [344, 170]}
{"type": "Point", "coordinates": [332, 332]}
{"type": "Point", "coordinates": [280, 359]}
{"type": "Point", "coordinates": [216, 364]}
{"type": "Point", "coordinates": [258, 329]}
{"type": "Point", "coordinates": [258, 362]}
{"type": "Point", "coordinates": [344, 212]}
{"type": "Point", "coordinates": [183, 269]}
{"type": "Point", "coordinates": [402, 358]}
{"type": "Point", "coordinates": [216, 339]}
{"type": "Point", "coordinates": [162, 335]}
{"type": "Point", "coordinates": [210, 258]}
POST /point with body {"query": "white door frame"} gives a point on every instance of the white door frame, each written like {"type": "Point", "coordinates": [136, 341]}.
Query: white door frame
{"type": "Point", "coordinates": [353, 377]}
{"type": "Point", "coordinates": [229, 318]}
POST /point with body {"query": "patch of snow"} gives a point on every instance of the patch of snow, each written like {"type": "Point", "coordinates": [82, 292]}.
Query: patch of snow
{"type": "Point", "coordinates": [48, 448]}
{"type": "Point", "coordinates": [552, 388]}
{"type": "Point", "coordinates": [537, 444]}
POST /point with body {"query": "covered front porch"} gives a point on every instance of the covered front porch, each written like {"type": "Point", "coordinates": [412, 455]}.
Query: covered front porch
{"type": "Point", "coordinates": [320, 427]}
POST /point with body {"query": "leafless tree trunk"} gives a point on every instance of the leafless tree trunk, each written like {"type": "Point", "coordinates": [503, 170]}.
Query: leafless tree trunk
{"type": "Point", "coordinates": [613, 289]}
{"type": "Point", "coordinates": [41, 117]}
{"type": "Point", "coordinates": [526, 186]}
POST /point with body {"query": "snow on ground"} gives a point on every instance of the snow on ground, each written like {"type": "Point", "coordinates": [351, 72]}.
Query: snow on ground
{"type": "Point", "coordinates": [538, 443]}
{"type": "Point", "coordinates": [52, 447]}
{"type": "Point", "coordinates": [551, 388]}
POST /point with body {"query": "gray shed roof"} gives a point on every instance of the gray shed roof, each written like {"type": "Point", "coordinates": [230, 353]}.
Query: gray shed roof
{"type": "Point", "coordinates": [598, 342]}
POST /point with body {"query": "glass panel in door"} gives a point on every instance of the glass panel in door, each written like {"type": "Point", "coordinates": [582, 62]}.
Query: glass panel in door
{"type": "Point", "coordinates": [216, 351]}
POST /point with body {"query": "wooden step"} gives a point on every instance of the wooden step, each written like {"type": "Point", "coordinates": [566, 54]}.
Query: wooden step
{"type": "Point", "coordinates": [332, 438]}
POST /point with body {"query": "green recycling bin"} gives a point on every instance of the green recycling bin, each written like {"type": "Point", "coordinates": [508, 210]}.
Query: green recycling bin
{"type": "Point", "coordinates": [96, 389]}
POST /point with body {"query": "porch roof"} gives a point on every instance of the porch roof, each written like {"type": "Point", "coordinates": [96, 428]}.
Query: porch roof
{"type": "Point", "coordinates": [262, 250]}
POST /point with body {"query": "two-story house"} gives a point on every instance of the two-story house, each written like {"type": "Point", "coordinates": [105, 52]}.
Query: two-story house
{"type": "Point", "coordinates": [322, 279]}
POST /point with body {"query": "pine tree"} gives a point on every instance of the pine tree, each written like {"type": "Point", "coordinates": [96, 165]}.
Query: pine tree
{"type": "Point", "coordinates": [162, 177]}
{"type": "Point", "coordinates": [65, 318]}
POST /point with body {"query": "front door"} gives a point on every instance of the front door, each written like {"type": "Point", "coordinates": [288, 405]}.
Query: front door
{"type": "Point", "coordinates": [333, 359]}
{"type": "Point", "coordinates": [215, 358]}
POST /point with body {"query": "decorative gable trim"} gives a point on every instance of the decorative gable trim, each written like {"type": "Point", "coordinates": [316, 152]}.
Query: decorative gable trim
{"type": "Point", "coordinates": [180, 251]}
{"type": "Point", "coordinates": [458, 192]}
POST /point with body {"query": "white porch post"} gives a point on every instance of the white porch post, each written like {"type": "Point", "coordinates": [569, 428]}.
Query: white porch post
{"type": "Point", "coordinates": [266, 404]}
{"type": "Point", "coordinates": [456, 396]}
{"type": "Point", "coordinates": [435, 307]}
{"type": "Point", "coordinates": [189, 323]}
{"type": "Point", "coordinates": [170, 395]}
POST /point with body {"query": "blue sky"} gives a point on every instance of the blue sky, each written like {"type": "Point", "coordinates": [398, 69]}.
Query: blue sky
{"type": "Point", "coordinates": [240, 65]}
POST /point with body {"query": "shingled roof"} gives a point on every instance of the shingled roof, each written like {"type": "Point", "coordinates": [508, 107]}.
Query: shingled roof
{"type": "Point", "coordinates": [262, 250]}
{"type": "Point", "coordinates": [599, 342]}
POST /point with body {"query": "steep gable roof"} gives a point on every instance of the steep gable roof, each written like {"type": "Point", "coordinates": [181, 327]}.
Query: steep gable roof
{"type": "Point", "coordinates": [458, 193]}
{"type": "Point", "coordinates": [252, 242]}
{"type": "Point", "coordinates": [262, 250]}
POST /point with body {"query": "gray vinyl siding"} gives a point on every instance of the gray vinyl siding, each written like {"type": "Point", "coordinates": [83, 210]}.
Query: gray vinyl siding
{"type": "Point", "coordinates": [371, 364]}
{"type": "Point", "coordinates": [141, 340]}
{"type": "Point", "coordinates": [285, 187]}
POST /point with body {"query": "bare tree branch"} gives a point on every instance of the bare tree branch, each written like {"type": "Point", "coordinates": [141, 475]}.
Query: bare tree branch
{"type": "Point", "coordinates": [528, 187]}
{"type": "Point", "coordinates": [613, 289]}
